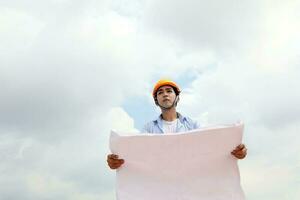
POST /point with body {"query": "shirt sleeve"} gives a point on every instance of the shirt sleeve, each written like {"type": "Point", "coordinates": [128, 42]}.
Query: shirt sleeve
{"type": "Point", "coordinates": [146, 128]}
{"type": "Point", "coordinates": [196, 125]}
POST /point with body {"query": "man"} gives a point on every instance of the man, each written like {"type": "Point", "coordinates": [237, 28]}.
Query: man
{"type": "Point", "coordinates": [166, 96]}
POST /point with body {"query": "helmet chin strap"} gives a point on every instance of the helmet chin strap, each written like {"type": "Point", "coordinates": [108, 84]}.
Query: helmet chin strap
{"type": "Point", "coordinates": [173, 104]}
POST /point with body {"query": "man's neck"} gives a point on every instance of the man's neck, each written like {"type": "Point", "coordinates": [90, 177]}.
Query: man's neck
{"type": "Point", "coordinates": [169, 115]}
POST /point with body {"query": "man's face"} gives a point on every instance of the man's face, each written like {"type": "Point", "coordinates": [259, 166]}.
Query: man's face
{"type": "Point", "coordinates": [165, 96]}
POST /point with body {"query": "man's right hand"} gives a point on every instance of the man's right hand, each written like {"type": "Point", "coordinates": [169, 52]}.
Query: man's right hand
{"type": "Point", "coordinates": [113, 161]}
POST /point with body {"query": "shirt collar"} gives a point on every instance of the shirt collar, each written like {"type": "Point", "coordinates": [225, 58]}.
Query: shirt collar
{"type": "Point", "coordinates": [159, 119]}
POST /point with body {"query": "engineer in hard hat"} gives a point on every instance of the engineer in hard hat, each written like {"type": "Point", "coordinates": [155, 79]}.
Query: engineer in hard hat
{"type": "Point", "coordinates": [166, 96]}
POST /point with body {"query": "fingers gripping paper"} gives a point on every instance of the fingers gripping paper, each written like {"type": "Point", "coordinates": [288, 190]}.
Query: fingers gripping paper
{"type": "Point", "coordinates": [194, 165]}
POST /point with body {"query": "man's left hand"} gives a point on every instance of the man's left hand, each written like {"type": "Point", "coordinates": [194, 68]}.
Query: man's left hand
{"type": "Point", "coordinates": [240, 151]}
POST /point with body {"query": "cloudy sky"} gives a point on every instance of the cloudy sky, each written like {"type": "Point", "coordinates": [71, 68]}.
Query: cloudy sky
{"type": "Point", "coordinates": [70, 71]}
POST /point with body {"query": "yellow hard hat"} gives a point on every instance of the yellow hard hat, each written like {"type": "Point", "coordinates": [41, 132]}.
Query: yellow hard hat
{"type": "Point", "coordinates": [164, 82]}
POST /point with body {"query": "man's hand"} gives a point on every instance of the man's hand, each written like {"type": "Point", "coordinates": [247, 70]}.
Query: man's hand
{"type": "Point", "coordinates": [240, 151]}
{"type": "Point", "coordinates": [114, 162]}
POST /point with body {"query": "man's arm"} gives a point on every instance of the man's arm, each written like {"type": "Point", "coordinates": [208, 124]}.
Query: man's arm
{"type": "Point", "coordinates": [146, 128]}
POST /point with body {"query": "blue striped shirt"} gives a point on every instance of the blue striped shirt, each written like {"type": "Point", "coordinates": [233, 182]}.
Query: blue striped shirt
{"type": "Point", "coordinates": [156, 126]}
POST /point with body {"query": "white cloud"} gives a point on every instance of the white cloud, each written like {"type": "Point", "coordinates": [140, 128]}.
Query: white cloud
{"type": "Point", "coordinates": [18, 32]}
{"type": "Point", "coordinates": [120, 121]}
{"type": "Point", "coordinates": [73, 168]}
{"type": "Point", "coordinates": [278, 180]}
{"type": "Point", "coordinates": [216, 24]}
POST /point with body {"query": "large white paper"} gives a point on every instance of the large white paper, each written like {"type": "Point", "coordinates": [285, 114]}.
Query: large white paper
{"type": "Point", "coordinates": [195, 165]}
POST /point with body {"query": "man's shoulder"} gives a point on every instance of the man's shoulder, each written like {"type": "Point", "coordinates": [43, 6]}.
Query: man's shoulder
{"type": "Point", "coordinates": [147, 128]}
{"type": "Point", "coordinates": [193, 124]}
{"type": "Point", "coordinates": [152, 122]}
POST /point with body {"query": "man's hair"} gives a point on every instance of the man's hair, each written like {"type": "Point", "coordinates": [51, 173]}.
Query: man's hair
{"type": "Point", "coordinates": [174, 89]}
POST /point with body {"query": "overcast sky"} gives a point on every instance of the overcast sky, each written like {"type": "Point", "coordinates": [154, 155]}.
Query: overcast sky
{"type": "Point", "coordinates": [70, 71]}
